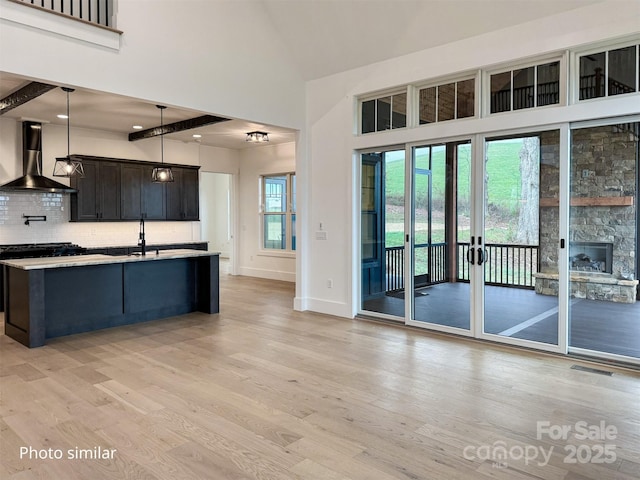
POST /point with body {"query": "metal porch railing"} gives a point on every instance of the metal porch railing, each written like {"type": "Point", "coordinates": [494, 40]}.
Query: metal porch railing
{"type": "Point", "coordinates": [99, 12]}
{"type": "Point", "coordinates": [508, 265]}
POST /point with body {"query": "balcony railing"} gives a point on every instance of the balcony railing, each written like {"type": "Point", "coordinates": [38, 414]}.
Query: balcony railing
{"type": "Point", "coordinates": [99, 12]}
{"type": "Point", "coordinates": [507, 265]}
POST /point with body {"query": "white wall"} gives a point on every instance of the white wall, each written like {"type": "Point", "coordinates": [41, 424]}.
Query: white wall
{"type": "Point", "coordinates": [252, 260]}
{"type": "Point", "coordinates": [329, 177]}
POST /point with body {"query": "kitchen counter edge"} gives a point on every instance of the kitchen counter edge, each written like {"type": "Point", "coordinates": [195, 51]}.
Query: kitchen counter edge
{"type": "Point", "coordinates": [98, 259]}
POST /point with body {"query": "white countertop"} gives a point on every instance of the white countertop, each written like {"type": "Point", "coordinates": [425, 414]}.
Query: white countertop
{"type": "Point", "coordinates": [83, 260]}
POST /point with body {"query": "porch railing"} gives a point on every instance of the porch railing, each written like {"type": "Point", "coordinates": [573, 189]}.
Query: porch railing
{"type": "Point", "coordinates": [99, 12]}
{"type": "Point", "coordinates": [508, 265]}
{"type": "Point", "coordinates": [505, 264]}
{"type": "Point", "coordinates": [434, 254]}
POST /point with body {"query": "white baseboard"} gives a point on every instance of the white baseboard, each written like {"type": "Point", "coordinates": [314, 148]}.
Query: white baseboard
{"type": "Point", "coordinates": [338, 309]}
{"type": "Point", "coordinates": [269, 274]}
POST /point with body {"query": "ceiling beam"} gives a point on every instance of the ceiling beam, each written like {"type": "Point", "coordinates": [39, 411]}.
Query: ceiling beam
{"type": "Point", "coordinates": [176, 127]}
{"type": "Point", "coordinates": [23, 95]}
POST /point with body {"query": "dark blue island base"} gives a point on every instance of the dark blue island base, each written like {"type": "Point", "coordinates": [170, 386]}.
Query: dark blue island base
{"type": "Point", "coordinates": [42, 303]}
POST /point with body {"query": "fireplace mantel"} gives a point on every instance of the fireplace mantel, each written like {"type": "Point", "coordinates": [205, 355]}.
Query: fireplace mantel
{"type": "Point", "coordinates": [591, 201]}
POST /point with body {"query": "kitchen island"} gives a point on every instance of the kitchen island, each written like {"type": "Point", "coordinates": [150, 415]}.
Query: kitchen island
{"type": "Point", "coordinates": [55, 296]}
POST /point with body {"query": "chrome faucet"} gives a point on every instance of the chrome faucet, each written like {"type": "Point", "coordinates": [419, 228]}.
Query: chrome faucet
{"type": "Point", "coordinates": [141, 241]}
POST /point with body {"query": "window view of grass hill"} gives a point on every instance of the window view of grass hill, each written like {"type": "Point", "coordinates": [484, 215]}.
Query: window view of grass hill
{"type": "Point", "coordinates": [504, 202]}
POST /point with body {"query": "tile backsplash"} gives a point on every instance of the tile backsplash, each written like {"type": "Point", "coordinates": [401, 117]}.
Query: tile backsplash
{"type": "Point", "coordinates": [57, 228]}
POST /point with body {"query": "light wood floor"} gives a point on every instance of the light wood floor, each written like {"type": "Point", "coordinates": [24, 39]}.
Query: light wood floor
{"type": "Point", "coordinates": [263, 392]}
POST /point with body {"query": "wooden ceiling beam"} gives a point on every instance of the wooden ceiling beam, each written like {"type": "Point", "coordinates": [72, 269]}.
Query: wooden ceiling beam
{"type": "Point", "coordinates": [23, 95]}
{"type": "Point", "coordinates": [176, 127]}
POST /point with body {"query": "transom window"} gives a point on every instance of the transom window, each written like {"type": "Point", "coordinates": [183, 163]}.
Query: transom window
{"type": "Point", "coordinates": [611, 72]}
{"type": "Point", "coordinates": [447, 101]}
{"type": "Point", "coordinates": [384, 113]}
{"type": "Point", "coordinates": [528, 87]}
{"type": "Point", "coordinates": [278, 212]}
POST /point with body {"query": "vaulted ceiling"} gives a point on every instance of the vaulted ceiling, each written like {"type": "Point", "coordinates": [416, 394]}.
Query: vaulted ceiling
{"type": "Point", "coordinates": [330, 36]}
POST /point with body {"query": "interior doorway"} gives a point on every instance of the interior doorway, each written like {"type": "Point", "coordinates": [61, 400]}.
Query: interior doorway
{"type": "Point", "coordinates": [216, 215]}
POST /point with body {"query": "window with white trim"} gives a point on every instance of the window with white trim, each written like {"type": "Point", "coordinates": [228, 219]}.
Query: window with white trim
{"type": "Point", "coordinates": [609, 72]}
{"type": "Point", "coordinates": [278, 212]}
{"type": "Point", "coordinates": [384, 112]}
{"type": "Point", "coordinates": [447, 101]}
{"type": "Point", "coordinates": [526, 87]}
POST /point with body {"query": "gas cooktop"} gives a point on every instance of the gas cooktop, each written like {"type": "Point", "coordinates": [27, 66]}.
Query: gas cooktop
{"type": "Point", "coordinates": [34, 250]}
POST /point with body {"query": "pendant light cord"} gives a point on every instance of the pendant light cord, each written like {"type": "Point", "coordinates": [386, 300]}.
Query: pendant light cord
{"type": "Point", "coordinates": [162, 135]}
{"type": "Point", "coordinates": [68, 90]}
{"type": "Point", "coordinates": [68, 128]}
{"type": "Point", "coordinates": [161, 107]}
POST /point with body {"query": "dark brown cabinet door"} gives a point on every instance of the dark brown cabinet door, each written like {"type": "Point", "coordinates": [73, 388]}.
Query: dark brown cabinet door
{"type": "Point", "coordinates": [131, 192]}
{"type": "Point", "coordinates": [183, 202]}
{"type": "Point", "coordinates": [174, 196]}
{"type": "Point", "coordinates": [190, 194]}
{"type": "Point", "coordinates": [153, 196]}
{"type": "Point", "coordinates": [84, 203]}
{"type": "Point", "coordinates": [109, 191]}
{"type": "Point", "coordinates": [141, 198]}
{"type": "Point", "coordinates": [98, 197]}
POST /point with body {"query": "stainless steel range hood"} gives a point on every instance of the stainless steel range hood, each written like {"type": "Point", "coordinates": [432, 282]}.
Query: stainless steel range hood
{"type": "Point", "coordinates": [33, 180]}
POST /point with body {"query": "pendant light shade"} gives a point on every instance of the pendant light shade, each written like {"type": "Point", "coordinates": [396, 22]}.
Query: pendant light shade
{"type": "Point", "coordinates": [162, 173]}
{"type": "Point", "coordinates": [68, 166]}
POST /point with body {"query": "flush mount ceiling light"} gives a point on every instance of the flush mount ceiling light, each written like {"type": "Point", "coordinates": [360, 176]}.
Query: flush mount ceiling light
{"type": "Point", "coordinates": [162, 173]}
{"type": "Point", "coordinates": [68, 166]}
{"type": "Point", "coordinates": [257, 137]}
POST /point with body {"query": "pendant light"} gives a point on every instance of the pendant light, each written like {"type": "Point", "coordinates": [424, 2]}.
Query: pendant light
{"type": "Point", "coordinates": [68, 166]}
{"type": "Point", "coordinates": [161, 173]}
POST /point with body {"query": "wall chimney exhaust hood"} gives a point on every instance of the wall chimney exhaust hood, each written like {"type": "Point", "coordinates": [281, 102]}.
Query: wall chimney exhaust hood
{"type": "Point", "coordinates": [32, 178]}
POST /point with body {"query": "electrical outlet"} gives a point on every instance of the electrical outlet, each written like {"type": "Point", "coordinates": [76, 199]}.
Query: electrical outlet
{"type": "Point", "coordinates": [329, 283]}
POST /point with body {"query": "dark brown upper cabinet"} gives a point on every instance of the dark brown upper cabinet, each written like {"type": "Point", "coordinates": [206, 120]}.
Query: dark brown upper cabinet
{"type": "Point", "coordinates": [121, 190]}
{"type": "Point", "coordinates": [183, 201]}
{"type": "Point", "coordinates": [99, 200]}
{"type": "Point", "coordinates": [140, 197]}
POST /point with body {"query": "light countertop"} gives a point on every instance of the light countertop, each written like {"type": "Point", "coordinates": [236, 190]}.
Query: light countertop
{"type": "Point", "coordinates": [83, 260]}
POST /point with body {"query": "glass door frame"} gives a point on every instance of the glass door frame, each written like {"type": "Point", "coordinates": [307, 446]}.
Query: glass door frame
{"type": "Point", "coordinates": [409, 237]}
{"type": "Point", "coordinates": [360, 309]}
{"type": "Point", "coordinates": [577, 126]}
{"type": "Point", "coordinates": [563, 273]}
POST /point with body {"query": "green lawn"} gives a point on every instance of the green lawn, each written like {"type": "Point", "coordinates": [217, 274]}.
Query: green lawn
{"type": "Point", "coordinates": [503, 188]}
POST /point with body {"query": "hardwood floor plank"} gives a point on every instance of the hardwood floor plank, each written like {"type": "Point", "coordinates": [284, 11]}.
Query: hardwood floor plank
{"type": "Point", "coordinates": [310, 470]}
{"type": "Point", "coordinates": [129, 397]}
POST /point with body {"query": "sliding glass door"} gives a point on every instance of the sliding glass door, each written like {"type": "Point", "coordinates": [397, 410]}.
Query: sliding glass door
{"type": "Point", "coordinates": [519, 248]}
{"type": "Point", "coordinates": [604, 314]}
{"type": "Point", "coordinates": [439, 240]}
{"type": "Point", "coordinates": [382, 233]}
